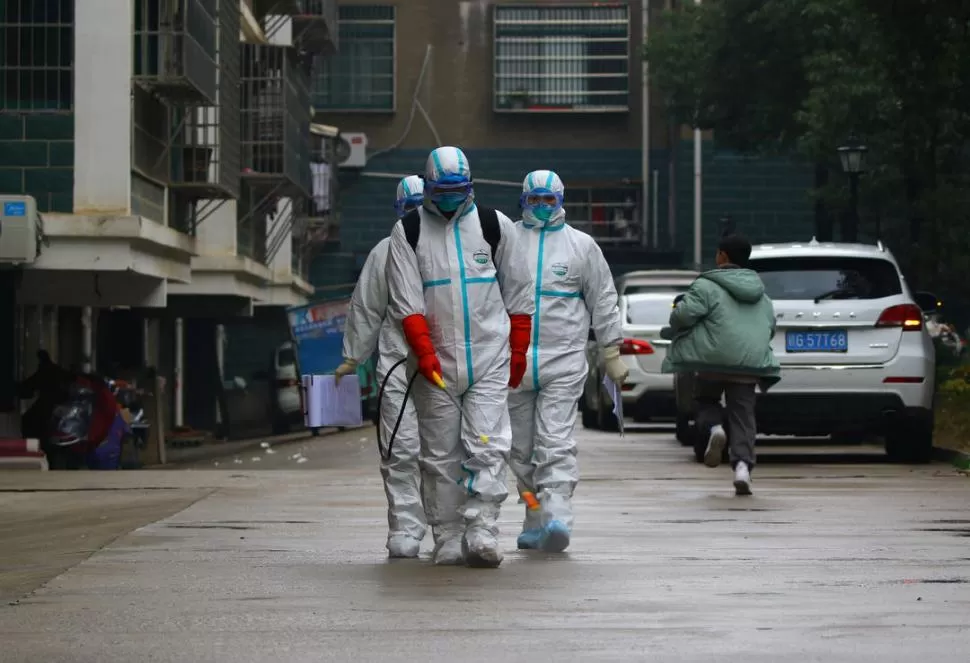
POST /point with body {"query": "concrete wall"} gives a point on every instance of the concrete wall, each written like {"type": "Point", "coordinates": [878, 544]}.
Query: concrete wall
{"type": "Point", "coordinates": [102, 106]}
{"type": "Point", "coordinates": [458, 88]}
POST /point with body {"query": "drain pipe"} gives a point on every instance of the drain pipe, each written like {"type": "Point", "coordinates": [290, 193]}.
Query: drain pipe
{"type": "Point", "coordinates": [220, 366]}
{"type": "Point", "coordinates": [87, 339]}
{"type": "Point", "coordinates": [698, 199]}
{"type": "Point", "coordinates": [179, 370]}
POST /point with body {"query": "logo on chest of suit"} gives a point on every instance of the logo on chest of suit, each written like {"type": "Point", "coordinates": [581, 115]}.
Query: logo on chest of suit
{"type": "Point", "coordinates": [560, 268]}
{"type": "Point", "coordinates": [480, 256]}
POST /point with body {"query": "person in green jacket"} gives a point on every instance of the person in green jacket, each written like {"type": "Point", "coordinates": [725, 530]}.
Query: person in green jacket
{"type": "Point", "coordinates": [721, 330]}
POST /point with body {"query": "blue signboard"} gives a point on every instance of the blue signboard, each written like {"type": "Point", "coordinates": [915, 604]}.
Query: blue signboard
{"type": "Point", "coordinates": [15, 208]}
{"type": "Point", "coordinates": [319, 333]}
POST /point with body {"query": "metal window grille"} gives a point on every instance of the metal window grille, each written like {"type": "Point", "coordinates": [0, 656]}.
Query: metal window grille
{"type": "Point", "coordinates": [206, 153]}
{"type": "Point", "coordinates": [610, 214]}
{"type": "Point", "coordinates": [567, 58]}
{"type": "Point", "coordinates": [275, 118]}
{"type": "Point", "coordinates": [36, 55]}
{"type": "Point", "coordinates": [147, 198]}
{"type": "Point", "coordinates": [175, 49]}
{"type": "Point", "coordinates": [361, 76]}
{"type": "Point", "coordinates": [315, 26]}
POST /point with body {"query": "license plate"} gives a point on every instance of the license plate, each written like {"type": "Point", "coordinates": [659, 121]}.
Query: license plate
{"type": "Point", "coordinates": [816, 340]}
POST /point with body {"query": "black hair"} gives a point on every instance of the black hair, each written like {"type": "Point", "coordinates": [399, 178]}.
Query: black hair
{"type": "Point", "coordinates": [736, 248]}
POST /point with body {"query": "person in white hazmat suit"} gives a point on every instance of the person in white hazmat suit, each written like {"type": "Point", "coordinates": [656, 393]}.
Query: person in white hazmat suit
{"type": "Point", "coordinates": [369, 328]}
{"type": "Point", "coordinates": [466, 309]}
{"type": "Point", "coordinates": [572, 287]}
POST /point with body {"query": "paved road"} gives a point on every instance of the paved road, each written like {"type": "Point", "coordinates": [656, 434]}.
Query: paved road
{"type": "Point", "coordinates": [836, 558]}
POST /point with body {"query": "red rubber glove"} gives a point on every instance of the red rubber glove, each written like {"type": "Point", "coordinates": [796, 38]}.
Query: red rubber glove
{"type": "Point", "coordinates": [519, 344]}
{"type": "Point", "coordinates": [419, 338]}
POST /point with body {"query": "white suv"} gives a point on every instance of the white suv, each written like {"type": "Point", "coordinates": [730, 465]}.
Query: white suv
{"type": "Point", "coordinates": [855, 355]}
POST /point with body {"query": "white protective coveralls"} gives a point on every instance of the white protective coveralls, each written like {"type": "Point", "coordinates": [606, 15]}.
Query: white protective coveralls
{"type": "Point", "coordinates": [573, 284]}
{"type": "Point", "coordinates": [467, 299]}
{"type": "Point", "coordinates": [369, 328]}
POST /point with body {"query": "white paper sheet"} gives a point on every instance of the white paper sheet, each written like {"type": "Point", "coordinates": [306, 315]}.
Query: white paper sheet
{"type": "Point", "coordinates": [328, 404]}
{"type": "Point", "coordinates": [617, 395]}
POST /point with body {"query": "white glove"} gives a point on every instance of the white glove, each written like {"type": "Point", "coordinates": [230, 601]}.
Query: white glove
{"type": "Point", "coordinates": [615, 367]}
{"type": "Point", "coordinates": [349, 366]}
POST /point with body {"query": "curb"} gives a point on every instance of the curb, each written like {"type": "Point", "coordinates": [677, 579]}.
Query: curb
{"type": "Point", "coordinates": [217, 451]}
{"type": "Point", "coordinates": [958, 458]}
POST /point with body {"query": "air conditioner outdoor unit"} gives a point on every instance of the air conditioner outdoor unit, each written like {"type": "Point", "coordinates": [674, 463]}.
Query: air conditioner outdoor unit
{"type": "Point", "coordinates": [18, 229]}
{"type": "Point", "coordinates": [351, 150]}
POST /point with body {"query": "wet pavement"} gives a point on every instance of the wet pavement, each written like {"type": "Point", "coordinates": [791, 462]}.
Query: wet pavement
{"type": "Point", "coordinates": [839, 556]}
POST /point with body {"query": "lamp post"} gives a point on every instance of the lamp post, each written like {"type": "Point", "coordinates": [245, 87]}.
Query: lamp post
{"type": "Point", "coordinates": [853, 157]}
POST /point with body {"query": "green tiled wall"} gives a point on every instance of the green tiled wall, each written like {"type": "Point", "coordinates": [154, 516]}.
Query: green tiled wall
{"type": "Point", "coordinates": [37, 158]}
{"type": "Point", "coordinates": [768, 197]}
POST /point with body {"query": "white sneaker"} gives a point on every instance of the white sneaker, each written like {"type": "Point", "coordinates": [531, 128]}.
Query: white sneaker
{"type": "Point", "coordinates": [742, 479]}
{"type": "Point", "coordinates": [715, 446]}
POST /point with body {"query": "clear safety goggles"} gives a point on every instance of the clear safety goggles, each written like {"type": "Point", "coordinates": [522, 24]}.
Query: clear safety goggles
{"type": "Point", "coordinates": [534, 199]}
{"type": "Point", "coordinates": [448, 186]}
{"type": "Point", "coordinates": [408, 204]}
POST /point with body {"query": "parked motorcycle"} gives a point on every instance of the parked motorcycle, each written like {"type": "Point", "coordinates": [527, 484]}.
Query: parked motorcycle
{"type": "Point", "coordinates": [87, 429]}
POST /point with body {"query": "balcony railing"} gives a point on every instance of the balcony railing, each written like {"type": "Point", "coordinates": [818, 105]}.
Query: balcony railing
{"type": "Point", "coordinates": [205, 147]}
{"type": "Point", "coordinates": [315, 26]}
{"type": "Point", "coordinates": [174, 49]}
{"type": "Point", "coordinates": [275, 110]}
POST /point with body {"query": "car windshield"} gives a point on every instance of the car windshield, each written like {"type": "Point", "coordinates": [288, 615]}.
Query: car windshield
{"type": "Point", "coordinates": [650, 310]}
{"type": "Point", "coordinates": [646, 288]}
{"type": "Point", "coordinates": [828, 278]}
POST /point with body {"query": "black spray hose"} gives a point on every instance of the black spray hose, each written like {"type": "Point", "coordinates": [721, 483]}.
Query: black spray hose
{"type": "Point", "coordinates": [386, 455]}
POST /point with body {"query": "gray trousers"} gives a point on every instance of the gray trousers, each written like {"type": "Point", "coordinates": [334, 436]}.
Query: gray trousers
{"type": "Point", "coordinates": [738, 412]}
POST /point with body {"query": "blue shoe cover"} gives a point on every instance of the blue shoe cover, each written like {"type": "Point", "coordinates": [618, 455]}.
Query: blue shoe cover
{"type": "Point", "coordinates": [555, 537]}
{"type": "Point", "coordinates": [529, 539]}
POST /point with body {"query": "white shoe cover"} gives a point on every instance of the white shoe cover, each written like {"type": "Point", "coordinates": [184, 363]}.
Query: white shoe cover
{"type": "Point", "coordinates": [480, 547]}
{"type": "Point", "coordinates": [448, 552]}
{"type": "Point", "coordinates": [400, 545]}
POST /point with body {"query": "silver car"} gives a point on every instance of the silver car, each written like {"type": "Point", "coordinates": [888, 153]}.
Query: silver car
{"type": "Point", "coordinates": [645, 301]}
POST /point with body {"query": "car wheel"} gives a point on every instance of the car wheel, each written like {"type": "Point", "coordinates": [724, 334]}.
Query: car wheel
{"type": "Point", "coordinates": [911, 440]}
{"type": "Point", "coordinates": [685, 430]}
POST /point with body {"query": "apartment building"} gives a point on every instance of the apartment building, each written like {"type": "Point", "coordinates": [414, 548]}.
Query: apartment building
{"type": "Point", "coordinates": [166, 148]}
{"type": "Point", "coordinates": [522, 85]}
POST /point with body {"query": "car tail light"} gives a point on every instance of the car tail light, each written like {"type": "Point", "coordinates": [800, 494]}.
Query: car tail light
{"type": "Point", "coordinates": [634, 346]}
{"type": "Point", "coordinates": [903, 379]}
{"type": "Point", "coordinates": [907, 316]}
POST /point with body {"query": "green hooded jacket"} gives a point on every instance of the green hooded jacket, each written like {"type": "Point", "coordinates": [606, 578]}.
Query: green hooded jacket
{"type": "Point", "coordinates": [724, 324]}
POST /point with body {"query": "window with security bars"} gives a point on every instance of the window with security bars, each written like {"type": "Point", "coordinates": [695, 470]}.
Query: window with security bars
{"type": "Point", "coordinates": [36, 55]}
{"type": "Point", "coordinates": [611, 214]}
{"type": "Point", "coordinates": [360, 77]}
{"type": "Point", "coordinates": [564, 58]}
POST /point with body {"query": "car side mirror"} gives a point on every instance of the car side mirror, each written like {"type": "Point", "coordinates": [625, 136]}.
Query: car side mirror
{"type": "Point", "coordinates": [928, 302]}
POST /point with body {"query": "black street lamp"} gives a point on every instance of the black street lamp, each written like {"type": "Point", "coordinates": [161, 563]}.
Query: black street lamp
{"type": "Point", "coordinates": [853, 157]}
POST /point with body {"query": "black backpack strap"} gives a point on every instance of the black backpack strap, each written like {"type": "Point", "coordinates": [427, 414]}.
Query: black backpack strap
{"type": "Point", "coordinates": [412, 228]}
{"type": "Point", "coordinates": [491, 230]}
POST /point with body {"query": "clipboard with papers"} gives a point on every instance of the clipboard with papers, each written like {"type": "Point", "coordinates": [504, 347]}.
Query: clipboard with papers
{"type": "Point", "coordinates": [616, 394]}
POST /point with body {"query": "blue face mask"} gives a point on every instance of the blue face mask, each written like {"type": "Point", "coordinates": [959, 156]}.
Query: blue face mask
{"type": "Point", "coordinates": [544, 212]}
{"type": "Point", "coordinates": [449, 202]}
